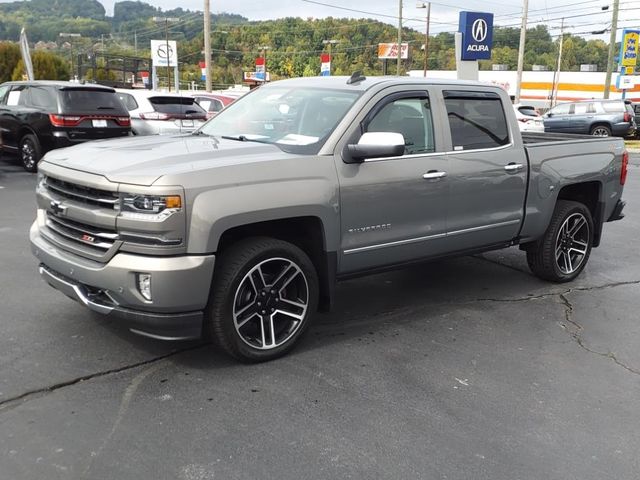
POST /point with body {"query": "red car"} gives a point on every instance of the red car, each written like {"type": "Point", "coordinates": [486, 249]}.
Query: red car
{"type": "Point", "coordinates": [213, 102]}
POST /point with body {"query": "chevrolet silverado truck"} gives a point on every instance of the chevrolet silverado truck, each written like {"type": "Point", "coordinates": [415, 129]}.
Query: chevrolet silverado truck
{"type": "Point", "coordinates": [240, 231]}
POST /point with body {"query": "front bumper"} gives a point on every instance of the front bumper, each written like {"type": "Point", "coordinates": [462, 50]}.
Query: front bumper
{"type": "Point", "coordinates": [180, 287]}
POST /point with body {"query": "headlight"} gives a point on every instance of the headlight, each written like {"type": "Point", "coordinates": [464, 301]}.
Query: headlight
{"type": "Point", "coordinates": [42, 179]}
{"type": "Point", "coordinates": [148, 207]}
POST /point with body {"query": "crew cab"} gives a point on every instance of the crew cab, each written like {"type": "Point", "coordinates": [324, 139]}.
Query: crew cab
{"type": "Point", "coordinates": [240, 231]}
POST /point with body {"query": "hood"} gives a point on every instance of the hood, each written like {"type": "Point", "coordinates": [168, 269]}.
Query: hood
{"type": "Point", "coordinates": [143, 160]}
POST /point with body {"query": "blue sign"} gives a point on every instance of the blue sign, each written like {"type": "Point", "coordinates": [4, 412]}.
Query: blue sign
{"type": "Point", "coordinates": [477, 35]}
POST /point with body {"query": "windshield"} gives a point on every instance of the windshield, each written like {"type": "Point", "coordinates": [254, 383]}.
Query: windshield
{"type": "Point", "coordinates": [87, 100]}
{"type": "Point", "coordinates": [298, 120]}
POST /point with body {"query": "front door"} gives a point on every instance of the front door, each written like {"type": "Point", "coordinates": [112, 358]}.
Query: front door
{"type": "Point", "coordinates": [393, 210]}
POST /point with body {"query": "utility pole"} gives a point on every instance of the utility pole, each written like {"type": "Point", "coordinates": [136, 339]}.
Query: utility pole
{"type": "Point", "coordinates": [612, 48]}
{"type": "Point", "coordinates": [523, 34]}
{"type": "Point", "coordinates": [135, 42]}
{"type": "Point", "coordinates": [330, 43]}
{"type": "Point", "coordinates": [426, 35]}
{"type": "Point", "coordinates": [264, 54]}
{"type": "Point", "coordinates": [399, 36]}
{"type": "Point", "coordinates": [166, 38]}
{"type": "Point", "coordinates": [556, 75]}
{"type": "Point", "coordinates": [207, 44]}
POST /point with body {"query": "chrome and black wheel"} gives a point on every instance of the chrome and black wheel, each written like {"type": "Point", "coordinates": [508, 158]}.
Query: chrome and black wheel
{"type": "Point", "coordinates": [30, 152]}
{"type": "Point", "coordinates": [264, 294]}
{"type": "Point", "coordinates": [601, 131]}
{"type": "Point", "coordinates": [562, 253]}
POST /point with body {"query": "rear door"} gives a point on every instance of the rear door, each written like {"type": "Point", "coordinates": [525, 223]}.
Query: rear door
{"type": "Point", "coordinates": [12, 116]}
{"type": "Point", "coordinates": [582, 118]}
{"type": "Point", "coordinates": [487, 170]}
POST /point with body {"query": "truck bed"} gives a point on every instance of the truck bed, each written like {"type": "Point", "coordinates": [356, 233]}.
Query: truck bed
{"type": "Point", "coordinates": [531, 138]}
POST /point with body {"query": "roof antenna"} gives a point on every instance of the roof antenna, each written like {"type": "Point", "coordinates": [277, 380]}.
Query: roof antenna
{"type": "Point", "coordinates": [356, 77]}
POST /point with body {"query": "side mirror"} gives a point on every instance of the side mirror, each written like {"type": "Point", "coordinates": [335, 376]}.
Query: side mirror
{"type": "Point", "coordinates": [375, 145]}
{"type": "Point", "coordinates": [548, 114]}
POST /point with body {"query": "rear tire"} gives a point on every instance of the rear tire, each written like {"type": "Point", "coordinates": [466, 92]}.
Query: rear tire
{"type": "Point", "coordinates": [30, 152]}
{"type": "Point", "coordinates": [601, 131]}
{"type": "Point", "coordinates": [564, 249]}
{"type": "Point", "coordinates": [264, 295]}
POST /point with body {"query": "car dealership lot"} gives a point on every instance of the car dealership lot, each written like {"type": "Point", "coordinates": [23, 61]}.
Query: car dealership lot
{"type": "Point", "coordinates": [465, 368]}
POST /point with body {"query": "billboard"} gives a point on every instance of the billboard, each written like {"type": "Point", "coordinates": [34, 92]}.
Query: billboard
{"type": "Point", "coordinates": [629, 48]}
{"type": "Point", "coordinates": [390, 51]}
{"type": "Point", "coordinates": [477, 35]}
{"type": "Point", "coordinates": [164, 54]}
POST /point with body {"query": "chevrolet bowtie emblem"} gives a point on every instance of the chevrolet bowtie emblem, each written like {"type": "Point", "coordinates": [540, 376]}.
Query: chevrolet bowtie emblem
{"type": "Point", "coordinates": [56, 208]}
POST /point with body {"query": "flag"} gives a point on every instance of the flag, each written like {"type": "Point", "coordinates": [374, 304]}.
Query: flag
{"type": "Point", "coordinates": [325, 65]}
{"type": "Point", "coordinates": [26, 56]}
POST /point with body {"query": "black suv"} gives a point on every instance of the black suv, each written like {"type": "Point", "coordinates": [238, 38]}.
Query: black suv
{"type": "Point", "coordinates": [39, 116]}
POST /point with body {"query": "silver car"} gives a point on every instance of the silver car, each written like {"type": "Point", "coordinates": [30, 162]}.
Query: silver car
{"type": "Point", "coordinates": [601, 118]}
{"type": "Point", "coordinates": [161, 113]}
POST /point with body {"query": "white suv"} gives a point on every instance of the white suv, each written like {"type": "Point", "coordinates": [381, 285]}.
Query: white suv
{"type": "Point", "coordinates": [161, 113]}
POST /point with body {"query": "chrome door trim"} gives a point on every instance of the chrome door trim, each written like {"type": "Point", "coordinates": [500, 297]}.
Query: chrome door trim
{"type": "Point", "coordinates": [429, 237]}
{"type": "Point", "coordinates": [393, 244]}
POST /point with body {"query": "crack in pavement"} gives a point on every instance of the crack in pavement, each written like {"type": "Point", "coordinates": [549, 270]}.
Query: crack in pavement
{"type": "Point", "coordinates": [9, 403]}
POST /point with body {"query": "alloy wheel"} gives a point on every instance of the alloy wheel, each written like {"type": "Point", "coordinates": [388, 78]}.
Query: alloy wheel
{"type": "Point", "coordinates": [600, 132]}
{"type": "Point", "coordinates": [28, 153]}
{"type": "Point", "coordinates": [572, 243]}
{"type": "Point", "coordinates": [270, 303]}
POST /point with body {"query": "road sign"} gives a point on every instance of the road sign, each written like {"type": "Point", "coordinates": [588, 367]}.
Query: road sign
{"type": "Point", "coordinates": [629, 48]}
{"type": "Point", "coordinates": [162, 56]}
{"type": "Point", "coordinates": [477, 35]}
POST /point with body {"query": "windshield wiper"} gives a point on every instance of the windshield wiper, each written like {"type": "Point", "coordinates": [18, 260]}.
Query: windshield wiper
{"type": "Point", "coordinates": [200, 133]}
{"type": "Point", "coordinates": [241, 138]}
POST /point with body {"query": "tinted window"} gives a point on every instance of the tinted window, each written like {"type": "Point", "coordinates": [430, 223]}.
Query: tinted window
{"type": "Point", "coordinates": [16, 96]}
{"type": "Point", "coordinates": [613, 107]}
{"type": "Point", "coordinates": [3, 93]}
{"type": "Point", "coordinates": [561, 109]}
{"type": "Point", "coordinates": [210, 104]}
{"type": "Point", "coordinates": [128, 101]}
{"type": "Point", "coordinates": [529, 111]}
{"type": "Point", "coordinates": [89, 100]}
{"type": "Point", "coordinates": [412, 118]}
{"type": "Point", "coordinates": [581, 108]}
{"type": "Point", "coordinates": [176, 105]}
{"type": "Point", "coordinates": [476, 120]}
{"type": "Point", "coordinates": [42, 98]}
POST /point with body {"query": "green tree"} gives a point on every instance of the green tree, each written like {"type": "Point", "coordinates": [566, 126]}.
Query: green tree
{"type": "Point", "coordinates": [46, 66]}
{"type": "Point", "coordinates": [9, 58]}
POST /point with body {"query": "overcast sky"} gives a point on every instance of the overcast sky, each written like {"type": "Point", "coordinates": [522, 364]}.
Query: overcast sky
{"type": "Point", "coordinates": [581, 17]}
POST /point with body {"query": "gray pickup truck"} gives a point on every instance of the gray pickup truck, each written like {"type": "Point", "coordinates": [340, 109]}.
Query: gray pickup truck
{"type": "Point", "coordinates": [240, 231]}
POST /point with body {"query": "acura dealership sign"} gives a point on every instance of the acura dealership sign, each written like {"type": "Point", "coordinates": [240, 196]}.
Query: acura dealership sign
{"type": "Point", "coordinates": [477, 35]}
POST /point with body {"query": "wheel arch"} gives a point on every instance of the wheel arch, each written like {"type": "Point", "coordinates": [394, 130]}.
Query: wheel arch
{"type": "Point", "coordinates": [601, 123]}
{"type": "Point", "coordinates": [307, 233]}
{"type": "Point", "coordinates": [589, 194]}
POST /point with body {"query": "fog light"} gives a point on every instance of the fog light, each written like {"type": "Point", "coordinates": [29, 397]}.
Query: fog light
{"type": "Point", "coordinates": [144, 285]}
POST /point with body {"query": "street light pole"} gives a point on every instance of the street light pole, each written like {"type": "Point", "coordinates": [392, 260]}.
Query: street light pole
{"type": "Point", "coordinates": [426, 36]}
{"type": "Point", "coordinates": [264, 49]}
{"type": "Point", "coordinates": [399, 36]}
{"type": "Point", "coordinates": [207, 45]}
{"type": "Point", "coordinates": [523, 33]}
{"type": "Point", "coordinates": [330, 43]}
{"type": "Point", "coordinates": [612, 48]}
{"type": "Point", "coordinates": [166, 21]}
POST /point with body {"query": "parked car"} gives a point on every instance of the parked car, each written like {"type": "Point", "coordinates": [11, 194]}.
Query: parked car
{"type": "Point", "coordinates": [636, 110]}
{"type": "Point", "coordinates": [213, 103]}
{"type": "Point", "coordinates": [601, 118]}
{"type": "Point", "coordinates": [39, 116]}
{"type": "Point", "coordinates": [158, 113]}
{"type": "Point", "coordinates": [529, 120]}
{"type": "Point", "coordinates": [240, 231]}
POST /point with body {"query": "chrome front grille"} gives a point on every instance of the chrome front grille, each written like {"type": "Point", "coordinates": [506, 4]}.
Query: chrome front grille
{"type": "Point", "coordinates": [82, 193]}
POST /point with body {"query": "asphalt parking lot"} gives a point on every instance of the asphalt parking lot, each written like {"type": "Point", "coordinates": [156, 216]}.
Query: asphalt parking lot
{"type": "Point", "coordinates": [462, 369]}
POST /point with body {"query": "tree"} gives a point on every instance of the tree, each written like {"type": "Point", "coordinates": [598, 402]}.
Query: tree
{"type": "Point", "coordinates": [46, 66]}
{"type": "Point", "coordinates": [9, 58]}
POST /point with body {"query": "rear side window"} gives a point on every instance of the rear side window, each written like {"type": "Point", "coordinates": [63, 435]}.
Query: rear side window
{"type": "Point", "coordinates": [476, 120]}
{"type": "Point", "coordinates": [176, 105]}
{"type": "Point", "coordinates": [613, 107]}
{"type": "Point", "coordinates": [88, 100]}
{"type": "Point", "coordinates": [128, 101]}
{"type": "Point", "coordinates": [42, 98]}
{"type": "Point", "coordinates": [17, 96]}
{"type": "Point", "coordinates": [3, 93]}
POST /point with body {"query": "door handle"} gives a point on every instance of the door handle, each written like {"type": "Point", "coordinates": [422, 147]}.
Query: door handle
{"type": "Point", "coordinates": [433, 174]}
{"type": "Point", "coordinates": [513, 167]}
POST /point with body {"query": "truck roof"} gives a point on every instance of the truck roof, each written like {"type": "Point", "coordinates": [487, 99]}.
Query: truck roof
{"type": "Point", "coordinates": [340, 82]}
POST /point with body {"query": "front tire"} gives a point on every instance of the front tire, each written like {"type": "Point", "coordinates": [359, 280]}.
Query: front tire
{"type": "Point", "coordinates": [563, 251]}
{"type": "Point", "coordinates": [264, 295]}
{"type": "Point", "coordinates": [30, 152]}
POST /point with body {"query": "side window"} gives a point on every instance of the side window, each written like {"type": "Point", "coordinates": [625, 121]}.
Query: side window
{"type": "Point", "coordinates": [591, 108]}
{"type": "Point", "coordinates": [42, 98]}
{"type": "Point", "coordinates": [581, 109]}
{"type": "Point", "coordinates": [205, 103]}
{"type": "Point", "coordinates": [561, 109]}
{"type": "Point", "coordinates": [412, 118]}
{"type": "Point", "coordinates": [16, 96]}
{"type": "Point", "coordinates": [217, 105]}
{"type": "Point", "coordinates": [128, 101]}
{"type": "Point", "coordinates": [476, 120]}
{"type": "Point", "coordinates": [3, 94]}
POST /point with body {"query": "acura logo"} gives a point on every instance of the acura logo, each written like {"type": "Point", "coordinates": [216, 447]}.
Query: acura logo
{"type": "Point", "coordinates": [479, 30]}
